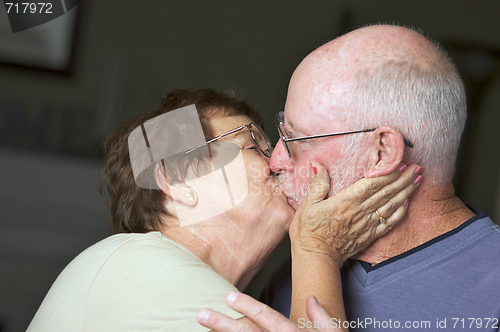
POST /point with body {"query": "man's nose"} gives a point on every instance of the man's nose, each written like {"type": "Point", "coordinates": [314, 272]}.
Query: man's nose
{"type": "Point", "coordinates": [279, 159]}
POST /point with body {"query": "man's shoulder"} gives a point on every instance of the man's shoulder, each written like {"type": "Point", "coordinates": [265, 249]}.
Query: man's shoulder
{"type": "Point", "coordinates": [483, 235]}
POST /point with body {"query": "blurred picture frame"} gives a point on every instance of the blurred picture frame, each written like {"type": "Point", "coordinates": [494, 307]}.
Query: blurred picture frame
{"type": "Point", "coordinates": [45, 40]}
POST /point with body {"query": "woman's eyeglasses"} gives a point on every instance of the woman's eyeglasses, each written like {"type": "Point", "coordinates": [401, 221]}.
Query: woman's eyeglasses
{"type": "Point", "coordinates": [258, 136]}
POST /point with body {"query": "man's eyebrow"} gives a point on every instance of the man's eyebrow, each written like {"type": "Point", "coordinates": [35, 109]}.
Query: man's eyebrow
{"type": "Point", "coordinates": [292, 128]}
{"type": "Point", "coordinates": [288, 123]}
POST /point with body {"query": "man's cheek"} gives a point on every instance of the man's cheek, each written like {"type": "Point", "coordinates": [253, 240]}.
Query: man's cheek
{"type": "Point", "coordinates": [302, 172]}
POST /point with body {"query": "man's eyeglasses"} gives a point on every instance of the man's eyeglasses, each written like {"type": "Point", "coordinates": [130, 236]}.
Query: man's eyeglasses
{"type": "Point", "coordinates": [258, 136]}
{"type": "Point", "coordinates": [280, 124]}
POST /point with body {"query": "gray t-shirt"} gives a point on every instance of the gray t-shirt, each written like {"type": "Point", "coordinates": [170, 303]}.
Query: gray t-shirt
{"type": "Point", "coordinates": [451, 283]}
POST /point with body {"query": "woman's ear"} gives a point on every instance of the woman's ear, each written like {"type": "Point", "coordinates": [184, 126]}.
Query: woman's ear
{"type": "Point", "coordinates": [179, 192]}
{"type": "Point", "coordinates": [387, 151]}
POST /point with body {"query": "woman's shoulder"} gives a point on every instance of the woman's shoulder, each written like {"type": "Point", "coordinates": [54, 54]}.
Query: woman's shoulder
{"type": "Point", "coordinates": [126, 278]}
{"type": "Point", "coordinates": [139, 242]}
{"type": "Point", "coordinates": [152, 246]}
{"type": "Point", "coordinates": [156, 282]}
{"type": "Point", "coordinates": [136, 252]}
{"type": "Point", "coordinates": [131, 252]}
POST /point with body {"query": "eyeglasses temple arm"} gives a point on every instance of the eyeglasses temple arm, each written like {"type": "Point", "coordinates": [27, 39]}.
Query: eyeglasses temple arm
{"type": "Point", "coordinates": [216, 138]}
{"type": "Point", "coordinates": [327, 135]}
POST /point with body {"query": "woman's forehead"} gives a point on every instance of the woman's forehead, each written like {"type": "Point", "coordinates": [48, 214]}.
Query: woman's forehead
{"type": "Point", "coordinates": [221, 125]}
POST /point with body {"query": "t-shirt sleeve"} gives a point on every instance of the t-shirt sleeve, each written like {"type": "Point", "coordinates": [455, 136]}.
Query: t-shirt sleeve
{"type": "Point", "coordinates": [153, 284]}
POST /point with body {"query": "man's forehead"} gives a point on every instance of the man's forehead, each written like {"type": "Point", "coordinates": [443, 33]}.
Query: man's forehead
{"type": "Point", "coordinates": [310, 110]}
{"type": "Point", "coordinates": [319, 91]}
{"type": "Point", "coordinates": [310, 121]}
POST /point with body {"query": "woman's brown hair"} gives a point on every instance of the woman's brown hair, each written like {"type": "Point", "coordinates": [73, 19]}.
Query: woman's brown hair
{"type": "Point", "coordinates": [136, 210]}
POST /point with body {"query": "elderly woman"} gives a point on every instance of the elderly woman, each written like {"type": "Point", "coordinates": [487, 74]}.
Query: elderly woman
{"type": "Point", "coordinates": [193, 222]}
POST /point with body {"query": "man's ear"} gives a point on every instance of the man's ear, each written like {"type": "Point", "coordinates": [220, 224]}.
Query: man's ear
{"type": "Point", "coordinates": [179, 192]}
{"type": "Point", "coordinates": [387, 151]}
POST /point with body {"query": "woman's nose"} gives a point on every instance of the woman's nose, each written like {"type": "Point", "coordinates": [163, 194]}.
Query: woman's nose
{"type": "Point", "coordinates": [279, 159]}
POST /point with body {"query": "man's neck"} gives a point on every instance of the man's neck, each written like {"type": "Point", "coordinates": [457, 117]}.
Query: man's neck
{"type": "Point", "coordinates": [433, 210]}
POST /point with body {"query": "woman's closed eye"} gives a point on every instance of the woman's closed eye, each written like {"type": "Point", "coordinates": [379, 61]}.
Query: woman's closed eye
{"type": "Point", "coordinates": [252, 147]}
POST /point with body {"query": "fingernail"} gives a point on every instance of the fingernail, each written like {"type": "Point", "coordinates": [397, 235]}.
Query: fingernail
{"type": "Point", "coordinates": [315, 299]}
{"type": "Point", "coordinates": [402, 168]}
{"type": "Point", "coordinates": [418, 179]}
{"type": "Point", "coordinates": [419, 168]}
{"type": "Point", "coordinates": [203, 315]}
{"type": "Point", "coordinates": [406, 202]}
{"type": "Point", "coordinates": [314, 169]}
{"type": "Point", "coordinates": [231, 297]}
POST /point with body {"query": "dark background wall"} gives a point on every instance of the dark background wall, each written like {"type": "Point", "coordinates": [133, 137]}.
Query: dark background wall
{"type": "Point", "coordinates": [130, 53]}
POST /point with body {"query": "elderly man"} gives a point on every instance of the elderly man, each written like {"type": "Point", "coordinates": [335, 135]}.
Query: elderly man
{"type": "Point", "coordinates": [439, 268]}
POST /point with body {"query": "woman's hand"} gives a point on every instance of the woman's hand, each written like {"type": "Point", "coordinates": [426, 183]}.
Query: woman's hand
{"type": "Point", "coordinates": [324, 233]}
{"type": "Point", "coordinates": [346, 223]}
{"type": "Point", "coordinates": [259, 317]}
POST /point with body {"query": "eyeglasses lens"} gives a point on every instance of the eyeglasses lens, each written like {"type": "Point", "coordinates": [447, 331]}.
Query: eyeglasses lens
{"type": "Point", "coordinates": [262, 141]}
{"type": "Point", "coordinates": [281, 129]}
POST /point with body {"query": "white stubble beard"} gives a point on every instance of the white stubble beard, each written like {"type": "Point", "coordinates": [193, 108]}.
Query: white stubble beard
{"type": "Point", "coordinates": [342, 175]}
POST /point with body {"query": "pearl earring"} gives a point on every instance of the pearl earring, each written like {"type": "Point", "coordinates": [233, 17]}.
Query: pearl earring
{"type": "Point", "coordinates": [190, 196]}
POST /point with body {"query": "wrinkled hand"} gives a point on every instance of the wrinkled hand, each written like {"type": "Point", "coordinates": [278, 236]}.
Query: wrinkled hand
{"type": "Point", "coordinates": [346, 223]}
{"type": "Point", "coordinates": [259, 317]}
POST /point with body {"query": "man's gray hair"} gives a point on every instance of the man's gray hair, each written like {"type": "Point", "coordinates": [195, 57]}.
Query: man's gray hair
{"type": "Point", "coordinates": [422, 98]}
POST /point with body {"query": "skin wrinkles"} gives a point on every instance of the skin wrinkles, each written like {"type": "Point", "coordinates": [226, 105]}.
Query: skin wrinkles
{"type": "Point", "coordinates": [331, 70]}
{"type": "Point", "coordinates": [237, 242]}
{"type": "Point", "coordinates": [327, 77]}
